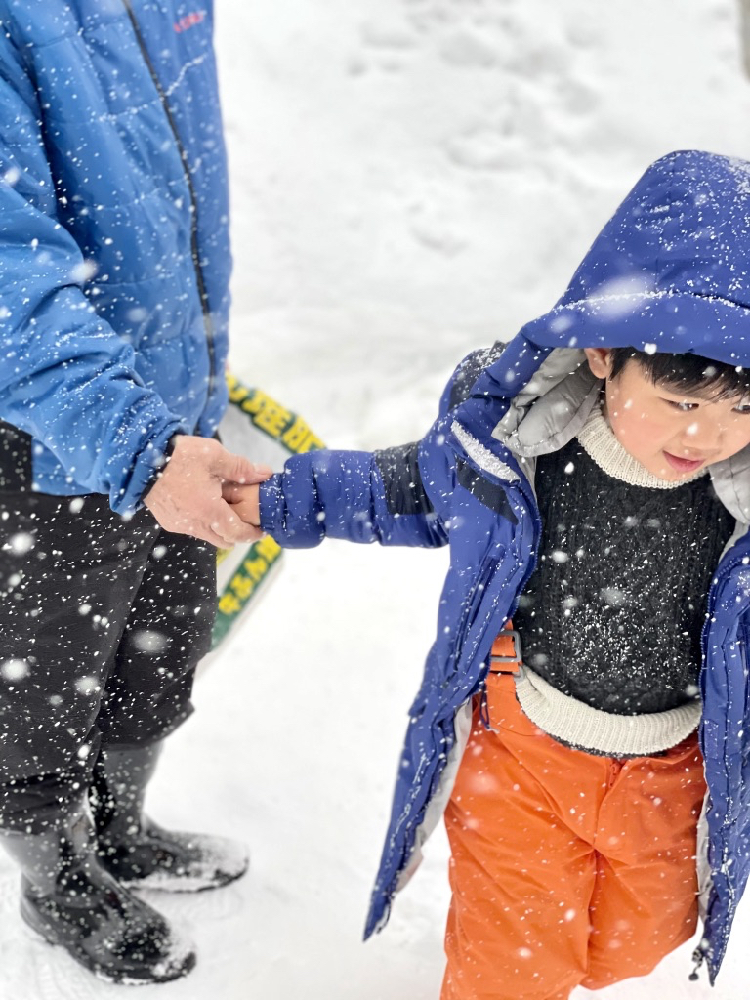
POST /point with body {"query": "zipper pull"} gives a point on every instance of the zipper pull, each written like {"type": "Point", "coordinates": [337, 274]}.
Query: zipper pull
{"type": "Point", "coordinates": [699, 958]}
{"type": "Point", "coordinates": [484, 712]}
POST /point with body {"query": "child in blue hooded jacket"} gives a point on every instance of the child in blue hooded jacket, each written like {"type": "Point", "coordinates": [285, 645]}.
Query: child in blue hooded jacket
{"type": "Point", "coordinates": [592, 479]}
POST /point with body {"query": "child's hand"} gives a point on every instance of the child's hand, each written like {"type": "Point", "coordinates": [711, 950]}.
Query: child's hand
{"type": "Point", "coordinates": [245, 501]}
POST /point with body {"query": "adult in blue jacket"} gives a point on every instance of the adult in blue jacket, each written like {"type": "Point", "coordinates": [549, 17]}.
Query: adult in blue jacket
{"type": "Point", "coordinates": [668, 277]}
{"type": "Point", "coordinates": [114, 269]}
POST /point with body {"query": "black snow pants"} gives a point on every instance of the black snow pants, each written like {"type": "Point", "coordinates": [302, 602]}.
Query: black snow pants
{"type": "Point", "coordinates": [102, 624]}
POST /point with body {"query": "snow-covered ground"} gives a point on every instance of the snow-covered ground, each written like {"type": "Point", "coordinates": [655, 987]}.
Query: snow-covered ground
{"type": "Point", "coordinates": [412, 178]}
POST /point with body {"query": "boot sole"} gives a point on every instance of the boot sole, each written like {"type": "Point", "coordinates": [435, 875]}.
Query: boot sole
{"type": "Point", "coordinates": [189, 885]}
{"type": "Point", "coordinates": [224, 862]}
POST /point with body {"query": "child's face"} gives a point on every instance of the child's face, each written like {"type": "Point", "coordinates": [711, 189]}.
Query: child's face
{"type": "Point", "coordinates": [670, 433]}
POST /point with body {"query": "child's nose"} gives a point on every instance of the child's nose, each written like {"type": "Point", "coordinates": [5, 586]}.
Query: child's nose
{"type": "Point", "coordinates": [703, 435]}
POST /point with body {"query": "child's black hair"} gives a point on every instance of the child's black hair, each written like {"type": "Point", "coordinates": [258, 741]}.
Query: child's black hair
{"type": "Point", "coordinates": [688, 373]}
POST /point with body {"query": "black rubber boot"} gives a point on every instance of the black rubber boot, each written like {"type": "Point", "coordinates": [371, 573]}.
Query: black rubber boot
{"type": "Point", "coordinates": [138, 852]}
{"type": "Point", "coordinates": [68, 898]}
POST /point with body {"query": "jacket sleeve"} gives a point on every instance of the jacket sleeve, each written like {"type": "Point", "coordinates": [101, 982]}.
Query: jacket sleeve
{"type": "Point", "coordinates": [352, 495]}
{"type": "Point", "coordinates": [66, 378]}
{"type": "Point", "coordinates": [394, 496]}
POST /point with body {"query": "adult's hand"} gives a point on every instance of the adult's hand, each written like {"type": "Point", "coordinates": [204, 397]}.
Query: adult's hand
{"type": "Point", "coordinates": [187, 496]}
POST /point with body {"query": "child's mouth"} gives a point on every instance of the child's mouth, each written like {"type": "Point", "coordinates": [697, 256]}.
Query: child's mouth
{"type": "Point", "coordinates": [683, 464]}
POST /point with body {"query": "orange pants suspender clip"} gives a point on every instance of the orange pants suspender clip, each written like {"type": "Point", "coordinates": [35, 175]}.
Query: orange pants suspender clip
{"type": "Point", "coordinates": [505, 655]}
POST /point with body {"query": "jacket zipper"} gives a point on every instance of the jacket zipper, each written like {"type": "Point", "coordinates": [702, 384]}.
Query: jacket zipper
{"type": "Point", "coordinates": [722, 571]}
{"type": "Point", "coordinates": [200, 281]}
{"type": "Point", "coordinates": [487, 570]}
{"type": "Point", "coordinates": [725, 567]}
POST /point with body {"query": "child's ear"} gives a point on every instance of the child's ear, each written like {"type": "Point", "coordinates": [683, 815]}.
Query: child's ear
{"type": "Point", "coordinates": [600, 361]}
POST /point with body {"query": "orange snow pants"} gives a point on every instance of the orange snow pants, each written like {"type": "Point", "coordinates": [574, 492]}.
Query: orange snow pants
{"type": "Point", "coordinates": [566, 868]}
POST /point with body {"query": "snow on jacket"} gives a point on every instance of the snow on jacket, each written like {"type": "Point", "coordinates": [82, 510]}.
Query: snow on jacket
{"type": "Point", "coordinates": [114, 254]}
{"type": "Point", "coordinates": [669, 272]}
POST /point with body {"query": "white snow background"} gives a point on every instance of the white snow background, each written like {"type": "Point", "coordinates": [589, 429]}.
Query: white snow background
{"type": "Point", "coordinates": [411, 179]}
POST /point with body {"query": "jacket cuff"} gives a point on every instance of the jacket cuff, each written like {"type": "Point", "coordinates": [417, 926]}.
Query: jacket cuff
{"type": "Point", "coordinates": [159, 465]}
{"type": "Point", "coordinates": [271, 505]}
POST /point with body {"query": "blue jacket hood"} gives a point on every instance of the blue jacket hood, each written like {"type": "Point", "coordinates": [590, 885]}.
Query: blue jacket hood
{"type": "Point", "coordinates": [669, 272]}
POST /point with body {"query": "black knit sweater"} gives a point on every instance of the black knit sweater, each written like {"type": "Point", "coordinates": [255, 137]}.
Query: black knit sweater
{"type": "Point", "coordinates": [613, 613]}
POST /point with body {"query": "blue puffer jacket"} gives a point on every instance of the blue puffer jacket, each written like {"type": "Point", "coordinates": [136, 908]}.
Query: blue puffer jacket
{"type": "Point", "coordinates": [669, 272]}
{"type": "Point", "coordinates": [114, 255]}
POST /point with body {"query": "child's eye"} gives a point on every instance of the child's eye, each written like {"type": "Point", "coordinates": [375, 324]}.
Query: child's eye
{"type": "Point", "coordinates": [681, 405]}
{"type": "Point", "coordinates": [742, 408]}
